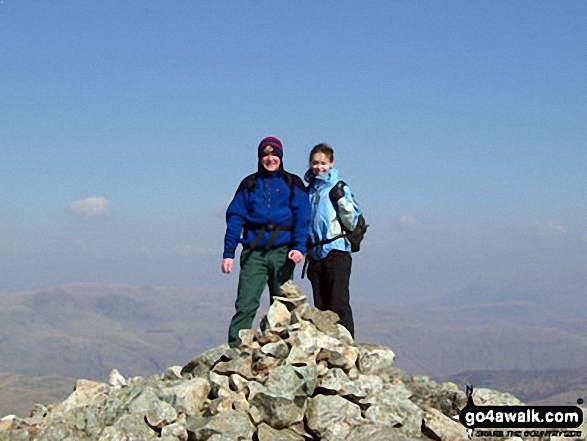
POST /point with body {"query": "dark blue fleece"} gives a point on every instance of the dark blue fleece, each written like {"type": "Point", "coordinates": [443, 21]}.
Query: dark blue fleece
{"type": "Point", "coordinates": [269, 203]}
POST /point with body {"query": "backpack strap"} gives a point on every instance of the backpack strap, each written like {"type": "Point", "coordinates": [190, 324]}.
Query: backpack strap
{"type": "Point", "coordinates": [251, 183]}
{"type": "Point", "coordinates": [335, 193]}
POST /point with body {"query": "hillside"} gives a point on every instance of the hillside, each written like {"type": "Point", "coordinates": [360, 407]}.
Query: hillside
{"type": "Point", "coordinates": [550, 386]}
{"type": "Point", "coordinates": [300, 376]}
{"type": "Point", "coordinates": [18, 393]}
{"type": "Point", "coordinates": [83, 330]}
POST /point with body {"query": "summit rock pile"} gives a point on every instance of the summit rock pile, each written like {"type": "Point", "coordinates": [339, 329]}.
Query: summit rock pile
{"type": "Point", "coordinates": [299, 377]}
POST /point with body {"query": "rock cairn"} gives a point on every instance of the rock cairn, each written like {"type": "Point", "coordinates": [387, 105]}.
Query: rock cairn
{"type": "Point", "coordinates": [299, 377]}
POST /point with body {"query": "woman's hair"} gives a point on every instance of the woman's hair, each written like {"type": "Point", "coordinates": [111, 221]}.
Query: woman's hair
{"type": "Point", "coordinates": [322, 148]}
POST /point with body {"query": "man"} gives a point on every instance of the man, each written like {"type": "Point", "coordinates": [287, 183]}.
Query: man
{"type": "Point", "coordinates": [272, 211]}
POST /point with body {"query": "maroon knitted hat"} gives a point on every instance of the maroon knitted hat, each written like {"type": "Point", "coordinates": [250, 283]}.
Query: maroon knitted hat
{"type": "Point", "coordinates": [270, 145]}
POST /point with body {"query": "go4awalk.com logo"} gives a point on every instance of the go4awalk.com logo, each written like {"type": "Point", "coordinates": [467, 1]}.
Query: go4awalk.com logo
{"type": "Point", "coordinates": [527, 421]}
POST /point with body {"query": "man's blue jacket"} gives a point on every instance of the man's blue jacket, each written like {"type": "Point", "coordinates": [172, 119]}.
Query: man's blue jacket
{"type": "Point", "coordinates": [270, 203]}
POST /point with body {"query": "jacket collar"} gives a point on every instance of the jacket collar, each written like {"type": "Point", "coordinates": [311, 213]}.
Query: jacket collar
{"type": "Point", "coordinates": [323, 178]}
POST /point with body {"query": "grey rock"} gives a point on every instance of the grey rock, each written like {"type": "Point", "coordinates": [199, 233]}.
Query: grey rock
{"type": "Point", "coordinates": [172, 373]}
{"type": "Point", "coordinates": [304, 345]}
{"type": "Point", "coordinates": [112, 434]}
{"type": "Point", "coordinates": [277, 349]}
{"type": "Point", "coordinates": [444, 427]}
{"type": "Point", "coordinates": [116, 379]}
{"type": "Point", "coordinates": [140, 403]}
{"type": "Point", "coordinates": [338, 382]}
{"type": "Point", "coordinates": [187, 396]}
{"type": "Point", "coordinates": [134, 427]}
{"type": "Point", "coordinates": [373, 358]}
{"type": "Point", "coordinates": [240, 365]}
{"type": "Point", "coordinates": [378, 432]}
{"type": "Point", "coordinates": [231, 424]}
{"type": "Point", "coordinates": [248, 339]}
{"type": "Point", "coordinates": [277, 410]}
{"type": "Point", "coordinates": [218, 382]}
{"type": "Point", "coordinates": [161, 414]}
{"type": "Point", "coordinates": [332, 417]}
{"type": "Point", "coordinates": [285, 381]}
{"type": "Point", "coordinates": [200, 365]}
{"type": "Point", "coordinates": [392, 406]}
{"type": "Point", "coordinates": [278, 316]}
{"type": "Point", "coordinates": [268, 433]}
{"type": "Point", "coordinates": [176, 431]}
{"type": "Point", "coordinates": [488, 397]}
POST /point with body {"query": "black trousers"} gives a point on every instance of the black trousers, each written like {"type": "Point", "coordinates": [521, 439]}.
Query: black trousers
{"type": "Point", "coordinates": [330, 279]}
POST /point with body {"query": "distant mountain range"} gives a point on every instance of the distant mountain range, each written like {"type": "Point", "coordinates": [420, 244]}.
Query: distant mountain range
{"type": "Point", "coordinates": [86, 330]}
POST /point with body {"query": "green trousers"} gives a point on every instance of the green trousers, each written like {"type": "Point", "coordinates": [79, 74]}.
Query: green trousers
{"type": "Point", "coordinates": [258, 268]}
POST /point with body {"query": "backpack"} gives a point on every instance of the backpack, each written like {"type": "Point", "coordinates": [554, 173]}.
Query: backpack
{"type": "Point", "coordinates": [355, 237]}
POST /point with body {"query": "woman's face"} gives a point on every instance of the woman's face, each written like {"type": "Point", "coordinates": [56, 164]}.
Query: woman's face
{"type": "Point", "coordinates": [320, 163]}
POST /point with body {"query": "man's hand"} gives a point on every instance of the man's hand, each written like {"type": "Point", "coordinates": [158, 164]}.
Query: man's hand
{"type": "Point", "coordinates": [227, 265]}
{"type": "Point", "coordinates": [295, 255]}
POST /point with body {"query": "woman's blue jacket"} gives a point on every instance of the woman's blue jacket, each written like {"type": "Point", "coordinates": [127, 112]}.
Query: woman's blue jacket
{"type": "Point", "coordinates": [324, 222]}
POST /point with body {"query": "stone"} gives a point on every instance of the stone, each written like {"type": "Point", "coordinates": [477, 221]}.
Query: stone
{"type": "Point", "coordinates": [141, 402]}
{"type": "Point", "coordinates": [161, 414]}
{"type": "Point", "coordinates": [247, 338]}
{"type": "Point", "coordinates": [116, 379]}
{"type": "Point", "coordinates": [291, 291]}
{"type": "Point", "coordinates": [228, 424]}
{"type": "Point", "coordinates": [218, 382]}
{"type": "Point", "coordinates": [263, 363]}
{"type": "Point", "coordinates": [218, 405]}
{"type": "Point", "coordinates": [278, 316]}
{"type": "Point", "coordinates": [442, 426]}
{"type": "Point", "coordinates": [237, 383]}
{"type": "Point", "coordinates": [6, 424]}
{"type": "Point", "coordinates": [200, 365]}
{"type": "Point", "coordinates": [268, 433]}
{"type": "Point", "coordinates": [392, 406]}
{"type": "Point", "coordinates": [340, 356]}
{"type": "Point", "coordinates": [309, 375]}
{"type": "Point", "coordinates": [488, 397]}
{"type": "Point", "coordinates": [332, 417]}
{"type": "Point", "coordinates": [112, 434]}
{"type": "Point", "coordinates": [277, 410]}
{"type": "Point", "coordinates": [379, 432]}
{"type": "Point", "coordinates": [338, 382]}
{"type": "Point", "coordinates": [240, 365]}
{"type": "Point", "coordinates": [277, 349]}
{"type": "Point", "coordinates": [304, 345]}
{"type": "Point", "coordinates": [134, 427]}
{"type": "Point", "coordinates": [285, 381]}
{"type": "Point", "coordinates": [324, 321]}
{"type": "Point", "coordinates": [187, 396]}
{"type": "Point", "coordinates": [373, 358]}
{"type": "Point", "coordinates": [172, 373]}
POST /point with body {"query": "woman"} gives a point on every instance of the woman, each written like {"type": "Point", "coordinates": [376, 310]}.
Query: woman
{"type": "Point", "coordinates": [334, 212]}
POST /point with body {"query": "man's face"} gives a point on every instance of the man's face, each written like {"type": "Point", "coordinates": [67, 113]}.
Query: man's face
{"type": "Point", "coordinates": [270, 162]}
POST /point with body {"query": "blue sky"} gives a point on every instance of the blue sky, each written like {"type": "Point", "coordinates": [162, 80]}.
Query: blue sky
{"type": "Point", "coordinates": [460, 126]}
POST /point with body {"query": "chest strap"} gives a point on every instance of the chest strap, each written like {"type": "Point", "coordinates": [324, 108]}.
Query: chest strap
{"type": "Point", "coordinates": [263, 228]}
